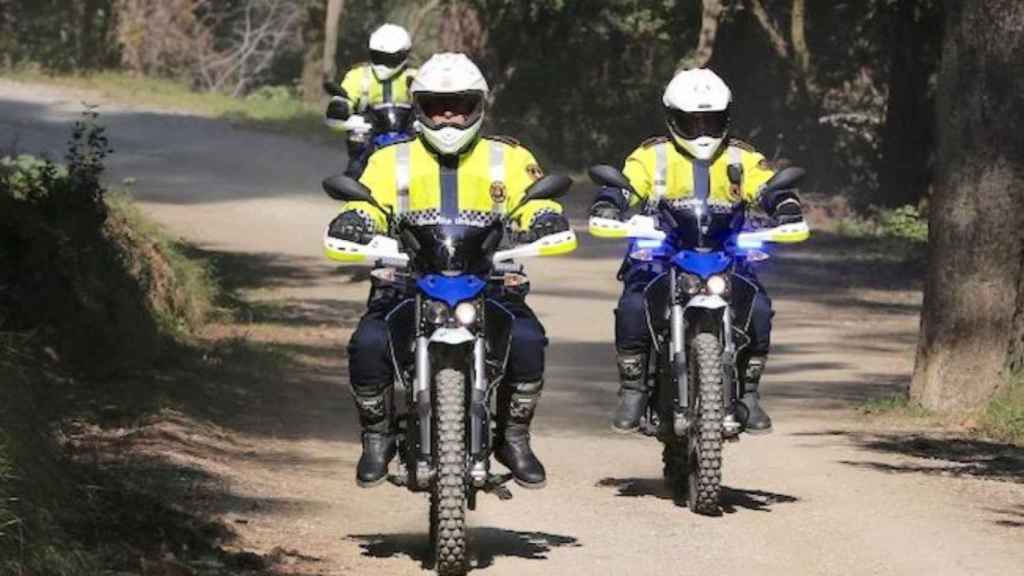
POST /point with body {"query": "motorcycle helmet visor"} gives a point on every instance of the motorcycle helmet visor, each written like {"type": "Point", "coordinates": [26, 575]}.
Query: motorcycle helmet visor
{"type": "Point", "coordinates": [457, 110]}
{"type": "Point", "coordinates": [693, 125]}
{"type": "Point", "coordinates": [389, 59]}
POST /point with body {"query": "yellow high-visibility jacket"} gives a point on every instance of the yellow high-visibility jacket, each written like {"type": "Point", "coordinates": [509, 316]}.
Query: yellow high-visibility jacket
{"type": "Point", "coordinates": [365, 90]}
{"type": "Point", "coordinates": [483, 183]}
{"type": "Point", "coordinates": [658, 170]}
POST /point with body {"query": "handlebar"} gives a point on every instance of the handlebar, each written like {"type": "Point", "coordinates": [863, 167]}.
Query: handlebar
{"type": "Point", "coordinates": [384, 250]}
{"type": "Point", "coordinates": [646, 228]}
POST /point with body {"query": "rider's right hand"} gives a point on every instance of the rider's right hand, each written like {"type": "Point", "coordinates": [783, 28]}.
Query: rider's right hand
{"type": "Point", "coordinates": [338, 109]}
{"type": "Point", "coordinates": [602, 209]}
{"type": "Point", "coordinates": [351, 226]}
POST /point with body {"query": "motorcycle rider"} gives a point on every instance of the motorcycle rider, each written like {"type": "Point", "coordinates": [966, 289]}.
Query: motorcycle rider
{"type": "Point", "coordinates": [449, 173]}
{"type": "Point", "coordinates": [697, 159]}
{"type": "Point", "coordinates": [384, 80]}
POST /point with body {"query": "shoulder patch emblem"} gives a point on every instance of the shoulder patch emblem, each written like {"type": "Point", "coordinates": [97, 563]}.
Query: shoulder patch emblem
{"type": "Point", "coordinates": [534, 171]}
{"type": "Point", "coordinates": [653, 141]}
{"type": "Point", "coordinates": [498, 192]}
{"type": "Point", "coordinates": [505, 140]}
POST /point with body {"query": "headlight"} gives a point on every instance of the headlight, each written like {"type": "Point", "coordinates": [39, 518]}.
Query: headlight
{"type": "Point", "coordinates": [690, 284]}
{"type": "Point", "coordinates": [435, 312]}
{"type": "Point", "coordinates": [718, 285]}
{"type": "Point", "coordinates": [465, 313]}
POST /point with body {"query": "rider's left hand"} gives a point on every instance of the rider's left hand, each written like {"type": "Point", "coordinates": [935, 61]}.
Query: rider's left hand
{"type": "Point", "coordinates": [547, 224]}
{"type": "Point", "coordinates": [789, 212]}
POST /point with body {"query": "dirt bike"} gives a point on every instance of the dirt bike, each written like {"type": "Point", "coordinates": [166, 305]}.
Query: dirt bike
{"type": "Point", "coordinates": [450, 345]}
{"type": "Point", "coordinates": [371, 129]}
{"type": "Point", "coordinates": [695, 313]}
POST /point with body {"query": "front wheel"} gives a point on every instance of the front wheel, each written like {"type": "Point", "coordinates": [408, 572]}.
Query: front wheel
{"type": "Point", "coordinates": [448, 495]}
{"type": "Point", "coordinates": [704, 481]}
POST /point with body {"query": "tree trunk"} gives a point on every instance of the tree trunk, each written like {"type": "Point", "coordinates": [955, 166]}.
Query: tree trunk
{"type": "Point", "coordinates": [973, 322]}
{"type": "Point", "coordinates": [711, 14]}
{"type": "Point", "coordinates": [907, 137]}
{"type": "Point", "coordinates": [331, 25]}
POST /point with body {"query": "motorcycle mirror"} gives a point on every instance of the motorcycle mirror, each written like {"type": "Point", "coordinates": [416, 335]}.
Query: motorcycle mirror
{"type": "Point", "coordinates": [548, 188]}
{"type": "Point", "coordinates": [345, 189]}
{"type": "Point", "coordinates": [604, 175]}
{"type": "Point", "coordinates": [785, 179]}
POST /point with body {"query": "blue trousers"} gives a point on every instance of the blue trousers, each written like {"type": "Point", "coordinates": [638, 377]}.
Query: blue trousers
{"type": "Point", "coordinates": [371, 370]}
{"type": "Point", "coordinates": [632, 334]}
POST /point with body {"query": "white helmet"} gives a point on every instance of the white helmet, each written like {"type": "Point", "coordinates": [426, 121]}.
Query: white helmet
{"type": "Point", "coordinates": [448, 96]}
{"type": "Point", "coordinates": [697, 111]}
{"type": "Point", "coordinates": [389, 50]}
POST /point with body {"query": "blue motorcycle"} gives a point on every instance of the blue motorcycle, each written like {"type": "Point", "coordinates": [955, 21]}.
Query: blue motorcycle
{"type": "Point", "coordinates": [373, 128]}
{"type": "Point", "coordinates": [694, 313]}
{"type": "Point", "coordinates": [449, 344]}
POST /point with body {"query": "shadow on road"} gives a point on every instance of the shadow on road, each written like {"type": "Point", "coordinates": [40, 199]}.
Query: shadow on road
{"type": "Point", "coordinates": [943, 456]}
{"type": "Point", "coordinates": [1010, 518]}
{"type": "Point", "coordinates": [732, 500]}
{"type": "Point", "coordinates": [936, 454]}
{"type": "Point", "coordinates": [484, 545]}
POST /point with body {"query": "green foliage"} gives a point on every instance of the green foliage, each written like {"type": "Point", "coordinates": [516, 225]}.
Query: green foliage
{"type": "Point", "coordinates": [905, 223]}
{"type": "Point", "coordinates": [274, 108]}
{"type": "Point", "coordinates": [88, 289]}
{"type": "Point", "coordinates": [1004, 417]}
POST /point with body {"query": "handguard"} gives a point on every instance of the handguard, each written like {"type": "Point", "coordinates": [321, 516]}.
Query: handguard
{"type": "Point", "coordinates": [783, 234]}
{"type": "Point", "coordinates": [550, 245]}
{"type": "Point", "coordinates": [636, 227]}
{"type": "Point", "coordinates": [382, 251]}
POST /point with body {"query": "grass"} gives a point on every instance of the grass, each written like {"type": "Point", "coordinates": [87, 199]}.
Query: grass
{"type": "Point", "coordinates": [274, 108]}
{"type": "Point", "coordinates": [896, 405]}
{"type": "Point", "coordinates": [1003, 419]}
{"type": "Point", "coordinates": [182, 304]}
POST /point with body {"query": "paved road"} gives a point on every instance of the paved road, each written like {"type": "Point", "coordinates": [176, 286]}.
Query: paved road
{"type": "Point", "coordinates": [825, 494]}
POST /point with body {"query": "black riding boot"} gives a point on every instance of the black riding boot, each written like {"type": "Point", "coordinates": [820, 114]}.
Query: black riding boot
{"type": "Point", "coordinates": [375, 416]}
{"type": "Point", "coordinates": [758, 422]}
{"type": "Point", "coordinates": [516, 405]}
{"type": "Point", "coordinates": [632, 391]}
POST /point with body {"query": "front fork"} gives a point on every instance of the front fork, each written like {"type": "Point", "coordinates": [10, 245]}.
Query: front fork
{"type": "Point", "coordinates": [682, 420]}
{"type": "Point", "coordinates": [479, 416]}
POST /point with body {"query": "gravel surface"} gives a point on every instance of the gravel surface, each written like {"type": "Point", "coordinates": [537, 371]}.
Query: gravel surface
{"type": "Point", "coordinates": [827, 493]}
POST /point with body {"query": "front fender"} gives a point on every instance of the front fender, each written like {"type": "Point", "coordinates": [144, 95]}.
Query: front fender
{"type": "Point", "coordinates": [452, 336]}
{"type": "Point", "coordinates": [708, 302]}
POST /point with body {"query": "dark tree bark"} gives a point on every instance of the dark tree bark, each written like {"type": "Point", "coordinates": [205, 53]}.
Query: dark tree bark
{"type": "Point", "coordinates": [973, 318]}
{"type": "Point", "coordinates": [908, 135]}
{"type": "Point", "coordinates": [332, 22]}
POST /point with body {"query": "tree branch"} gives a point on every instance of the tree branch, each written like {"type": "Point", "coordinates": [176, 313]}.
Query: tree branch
{"type": "Point", "coordinates": [778, 42]}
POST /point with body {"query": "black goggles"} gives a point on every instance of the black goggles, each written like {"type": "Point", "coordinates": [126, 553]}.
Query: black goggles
{"type": "Point", "coordinates": [389, 59]}
{"type": "Point", "coordinates": [433, 110]}
{"type": "Point", "coordinates": [691, 125]}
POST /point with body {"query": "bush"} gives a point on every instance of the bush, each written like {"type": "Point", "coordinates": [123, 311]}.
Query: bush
{"type": "Point", "coordinates": [904, 223]}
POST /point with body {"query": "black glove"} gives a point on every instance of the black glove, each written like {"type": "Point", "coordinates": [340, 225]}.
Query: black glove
{"type": "Point", "coordinates": [547, 224]}
{"type": "Point", "coordinates": [338, 109]}
{"type": "Point", "coordinates": [351, 226]}
{"type": "Point", "coordinates": [603, 209]}
{"type": "Point", "coordinates": [788, 212]}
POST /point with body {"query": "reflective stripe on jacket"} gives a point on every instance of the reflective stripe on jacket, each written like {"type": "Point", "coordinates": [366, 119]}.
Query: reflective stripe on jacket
{"type": "Point", "coordinates": [658, 169]}
{"type": "Point", "coordinates": [486, 181]}
{"type": "Point", "coordinates": [365, 90]}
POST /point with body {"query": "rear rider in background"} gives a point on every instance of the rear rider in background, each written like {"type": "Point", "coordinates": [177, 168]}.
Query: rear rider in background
{"type": "Point", "coordinates": [384, 80]}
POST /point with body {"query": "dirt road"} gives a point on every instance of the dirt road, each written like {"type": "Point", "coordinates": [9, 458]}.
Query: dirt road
{"type": "Point", "coordinates": [828, 493]}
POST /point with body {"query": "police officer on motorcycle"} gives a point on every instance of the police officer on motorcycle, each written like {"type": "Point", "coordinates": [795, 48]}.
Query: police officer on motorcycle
{"type": "Point", "coordinates": [449, 173]}
{"type": "Point", "coordinates": [384, 80]}
{"type": "Point", "coordinates": [697, 159]}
